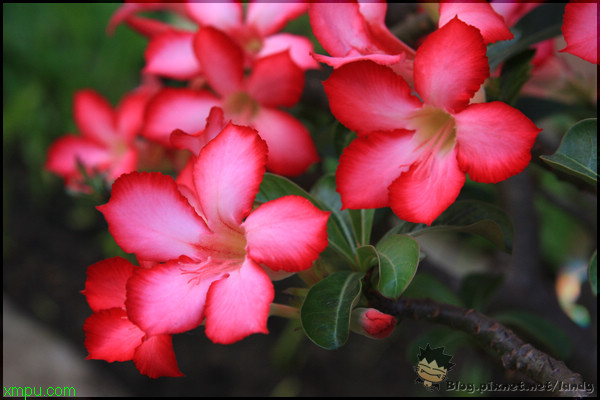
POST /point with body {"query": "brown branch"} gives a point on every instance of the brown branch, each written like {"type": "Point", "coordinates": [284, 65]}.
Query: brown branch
{"type": "Point", "coordinates": [514, 353]}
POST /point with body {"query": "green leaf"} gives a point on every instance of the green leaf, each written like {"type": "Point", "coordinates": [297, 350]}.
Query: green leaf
{"type": "Point", "coordinates": [274, 186]}
{"type": "Point", "coordinates": [515, 73]}
{"type": "Point", "coordinates": [593, 274]}
{"type": "Point", "coordinates": [367, 256]}
{"type": "Point", "coordinates": [577, 154]}
{"type": "Point", "coordinates": [425, 285]}
{"type": "Point", "coordinates": [339, 226]}
{"type": "Point", "coordinates": [539, 329]}
{"type": "Point", "coordinates": [398, 257]}
{"type": "Point", "coordinates": [477, 289]}
{"type": "Point", "coordinates": [543, 22]}
{"type": "Point", "coordinates": [472, 216]}
{"type": "Point", "coordinates": [325, 313]}
{"type": "Point", "coordinates": [362, 223]}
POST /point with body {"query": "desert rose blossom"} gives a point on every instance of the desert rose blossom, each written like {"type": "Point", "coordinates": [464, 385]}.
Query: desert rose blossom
{"type": "Point", "coordinates": [110, 335]}
{"type": "Point", "coordinates": [256, 31]}
{"type": "Point", "coordinates": [372, 323]}
{"type": "Point", "coordinates": [413, 154]}
{"type": "Point", "coordinates": [214, 249]}
{"type": "Point", "coordinates": [107, 141]}
{"type": "Point", "coordinates": [353, 31]}
{"type": "Point", "coordinates": [580, 29]}
{"type": "Point", "coordinates": [254, 100]}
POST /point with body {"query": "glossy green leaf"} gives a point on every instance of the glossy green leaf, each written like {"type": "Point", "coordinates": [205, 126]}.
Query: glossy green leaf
{"type": "Point", "coordinates": [325, 313]}
{"type": "Point", "coordinates": [472, 216]}
{"type": "Point", "coordinates": [367, 257]}
{"type": "Point", "coordinates": [275, 186]}
{"type": "Point", "coordinates": [362, 224]}
{"type": "Point", "coordinates": [543, 22]}
{"type": "Point", "coordinates": [339, 226]}
{"type": "Point", "coordinates": [538, 329]}
{"type": "Point", "coordinates": [477, 289]}
{"type": "Point", "coordinates": [577, 154]}
{"type": "Point", "coordinates": [593, 274]}
{"type": "Point", "coordinates": [426, 285]}
{"type": "Point", "coordinates": [398, 257]}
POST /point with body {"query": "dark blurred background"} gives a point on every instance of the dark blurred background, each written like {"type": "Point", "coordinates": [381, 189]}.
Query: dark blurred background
{"type": "Point", "coordinates": [50, 237]}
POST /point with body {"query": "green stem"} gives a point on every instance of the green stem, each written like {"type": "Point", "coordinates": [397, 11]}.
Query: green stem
{"type": "Point", "coordinates": [285, 311]}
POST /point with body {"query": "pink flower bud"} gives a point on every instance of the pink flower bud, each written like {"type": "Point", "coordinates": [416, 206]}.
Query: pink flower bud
{"type": "Point", "coordinates": [372, 323]}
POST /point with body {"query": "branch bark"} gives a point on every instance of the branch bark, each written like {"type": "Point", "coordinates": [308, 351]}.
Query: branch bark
{"type": "Point", "coordinates": [513, 352]}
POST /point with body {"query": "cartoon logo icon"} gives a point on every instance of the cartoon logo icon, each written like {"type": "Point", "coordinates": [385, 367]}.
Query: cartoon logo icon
{"type": "Point", "coordinates": [432, 367]}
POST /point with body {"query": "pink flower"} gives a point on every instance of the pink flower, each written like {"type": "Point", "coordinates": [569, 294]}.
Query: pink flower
{"type": "Point", "coordinates": [414, 155]}
{"type": "Point", "coordinates": [110, 335]}
{"type": "Point", "coordinates": [170, 51]}
{"type": "Point", "coordinates": [353, 31]}
{"type": "Point", "coordinates": [216, 251]}
{"type": "Point", "coordinates": [106, 145]}
{"type": "Point", "coordinates": [252, 100]}
{"type": "Point", "coordinates": [372, 323]}
{"type": "Point", "coordinates": [256, 31]}
{"type": "Point", "coordinates": [580, 29]}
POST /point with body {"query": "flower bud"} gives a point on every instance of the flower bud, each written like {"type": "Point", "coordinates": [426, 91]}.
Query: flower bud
{"type": "Point", "coordinates": [372, 323]}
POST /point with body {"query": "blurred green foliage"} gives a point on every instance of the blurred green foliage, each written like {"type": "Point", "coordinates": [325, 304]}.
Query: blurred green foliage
{"type": "Point", "coordinates": [49, 52]}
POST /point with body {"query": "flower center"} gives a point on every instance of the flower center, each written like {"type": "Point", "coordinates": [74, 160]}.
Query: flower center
{"type": "Point", "coordinates": [242, 106]}
{"type": "Point", "coordinates": [435, 131]}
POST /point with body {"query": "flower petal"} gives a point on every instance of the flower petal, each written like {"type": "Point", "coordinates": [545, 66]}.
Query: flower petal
{"type": "Point", "coordinates": [450, 66]}
{"type": "Point", "coordinates": [222, 60]}
{"type": "Point", "coordinates": [177, 108]}
{"type": "Point", "coordinates": [580, 29]}
{"type": "Point", "coordinates": [382, 97]}
{"type": "Point", "coordinates": [194, 142]}
{"type": "Point", "coordinates": [291, 147]}
{"type": "Point", "coordinates": [422, 193]}
{"type": "Point", "coordinates": [94, 116]}
{"type": "Point", "coordinates": [224, 15]}
{"type": "Point", "coordinates": [171, 54]}
{"type": "Point", "coordinates": [276, 81]}
{"type": "Point", "coordinates": [269, 18]}
{"type": "Point", "coordinates": [227, 175]}
{"type": "Point", "coordinates": [170, 297]}
{"type": "Point", "coordinates": [132, 107]}
{"type": "Point", "coordinates": [106, 282]}
{"type": "Point", "coordinates": [339, 27]}
{"type": "Point", "coordinates": [288, 233]}
{"type": "Point", "coordinates": [110, 336]}
{"type": "Point", "coordinates": [370, 164]}
{"type": "Point", "coordinates": [148, 216]}
{"type": "Point", "coordinates": [238, 306]}
{"type": "Point", "coordinates": [494, 141]}
{"type": "Point", "coordinates": [480, 15]}
{"type": "Point", "coordinates": [155, 357]}
{"type": "Point", "coordinates": [68, 150]}
{"type": "Point", "coordinates": [300, 49]}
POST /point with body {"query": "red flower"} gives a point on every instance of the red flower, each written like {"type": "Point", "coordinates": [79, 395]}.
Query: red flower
{"type": "Point", "coordinates": [106, 145]}
{"type": "Point", "coordinates": [215, 248]}
{"type": "Point", "coordinates": [110, 335]}
{"type": "Point", "coordinates": [413, 155]}
{"type": "Point", "coordinates": [580, 29]}
{"type": "Point", "coordinates": [251, 100]}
